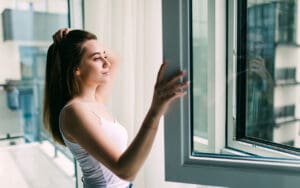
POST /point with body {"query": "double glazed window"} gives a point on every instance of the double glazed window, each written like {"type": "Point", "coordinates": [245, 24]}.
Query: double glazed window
{"type": "Point", "coordinates": [240, 119]}
{"type": "Point", "coordinates": [262, 76]}
{"type": "Point", "coordinates": [266, 75]}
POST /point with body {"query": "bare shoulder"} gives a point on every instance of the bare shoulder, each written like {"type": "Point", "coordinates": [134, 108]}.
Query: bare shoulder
{"type": "Point", "coordinates": [73, 110]}
{"type": "Point", "coordinates": [75, 115]}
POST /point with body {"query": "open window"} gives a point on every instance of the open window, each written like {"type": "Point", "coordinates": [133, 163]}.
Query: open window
{"type": "Point", "coordinates": [238, 126]}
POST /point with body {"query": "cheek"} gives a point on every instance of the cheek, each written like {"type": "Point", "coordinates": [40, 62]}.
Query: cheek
{"type": "Point", "coordinates": [93, 73]}
{"type": "Point", "coordinates": [86, 73]}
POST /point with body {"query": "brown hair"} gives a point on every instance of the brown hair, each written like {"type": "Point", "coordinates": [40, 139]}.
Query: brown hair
{"type": "Point", "coordinates": [63, 57]}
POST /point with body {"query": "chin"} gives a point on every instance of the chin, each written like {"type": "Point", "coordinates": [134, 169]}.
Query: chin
{"type": "Point", "coordinates": [104, 80]}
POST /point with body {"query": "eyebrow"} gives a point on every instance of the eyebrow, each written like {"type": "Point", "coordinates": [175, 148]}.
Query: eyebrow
{"type": "Point", "coordinates": [95, 53]}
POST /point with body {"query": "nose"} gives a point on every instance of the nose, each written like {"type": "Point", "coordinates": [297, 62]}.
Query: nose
{"type": "Point", "coordinates": [106, 63]}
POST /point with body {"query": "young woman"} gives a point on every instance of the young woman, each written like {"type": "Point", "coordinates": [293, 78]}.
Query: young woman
{"type": "Point", "coordinates": [79, 75]}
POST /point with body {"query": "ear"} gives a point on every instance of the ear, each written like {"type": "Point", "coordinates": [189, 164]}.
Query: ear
{"type": "Point", "coordinates": [77, 71]}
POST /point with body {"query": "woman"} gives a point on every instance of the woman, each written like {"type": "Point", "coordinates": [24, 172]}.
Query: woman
{"type": "Point", "coordinates": [79, 75]}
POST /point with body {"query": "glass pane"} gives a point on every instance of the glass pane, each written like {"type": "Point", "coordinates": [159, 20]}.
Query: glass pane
{"type": "Point", "coordinates": [272, 87]}
{"type": "Point", "coordinates": [200, 75]}
{"type": "Point", "coordinates": [25, 34]}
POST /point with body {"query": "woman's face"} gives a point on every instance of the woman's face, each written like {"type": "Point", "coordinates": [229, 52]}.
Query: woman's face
{"type": "Point", "coordinates": [94, 67]}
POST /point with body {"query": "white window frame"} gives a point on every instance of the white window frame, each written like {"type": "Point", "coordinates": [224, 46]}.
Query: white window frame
{"type": "Point", "coordinates": [76, 15]}
{"type": "Point", "coordinates": [210, 169]}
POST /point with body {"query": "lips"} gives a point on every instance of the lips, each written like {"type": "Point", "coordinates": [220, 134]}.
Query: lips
{"type": "Point", "coordinates": [105, 73]}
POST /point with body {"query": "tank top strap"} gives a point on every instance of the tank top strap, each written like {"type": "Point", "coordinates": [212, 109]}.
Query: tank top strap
{"type": "Point", "coordinates": [92, 111]}
{"type": "Point", "coordinates": [66, 106]}
{"type": "Point", "coordinates": [97, 115]}
{"type": "Point", "coordinates": [102, 119]}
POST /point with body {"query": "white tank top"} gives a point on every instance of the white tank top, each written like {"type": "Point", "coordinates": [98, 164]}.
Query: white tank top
{"type": "Point", "coordinates": [95, 174]}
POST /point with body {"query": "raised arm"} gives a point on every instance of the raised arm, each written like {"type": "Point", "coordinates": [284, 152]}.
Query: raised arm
{"type": "Point", "coordinates": [83, 127]}
{"type": "Point", "coordinates": [103, 91]}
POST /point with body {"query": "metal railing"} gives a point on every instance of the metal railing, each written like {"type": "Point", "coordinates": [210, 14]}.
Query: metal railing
{"type": "Point", "coordinates": [64, 151]}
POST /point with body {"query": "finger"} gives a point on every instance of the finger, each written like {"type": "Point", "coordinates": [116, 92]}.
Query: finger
{"type": "Point", "coordinates": [259, 58]}
{"type": "Point", "coordinates": [178, 95]}
{"type": "Point", "coordinates": [177, 88]}
{"type": "Point", "coordinates": [104, 54]}
{"type": "Point", "coordinates": [160, 75]}
{"type": "Point", "coordinates": [60, 34]}
{"type": "Point", "coordinates": [56, 37]}
{"type": "Point", "coordinates": [180, 88]}
{"type": "Point", "coordinates": [66, 31]}
{"type": "Point", "coordinates": [176, 77]}
{"type": "Point", "coordinates": [183, 85]}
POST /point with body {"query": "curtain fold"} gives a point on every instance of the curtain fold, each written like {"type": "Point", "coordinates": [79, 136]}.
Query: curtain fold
{"type": "Point", "coordinates": [133, 30]}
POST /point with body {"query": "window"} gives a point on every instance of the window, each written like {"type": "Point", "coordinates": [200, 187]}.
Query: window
{"type": "Point", "coordinates": [238, 125]}
{"type": "Point", "coordinates": [26, 32]}
{"type": "Point", "coordinates": [264, 117]}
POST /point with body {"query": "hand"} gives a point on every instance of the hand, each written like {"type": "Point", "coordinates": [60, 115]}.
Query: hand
{"type": "Point", "coordinates": [166, 91]}
{"type": "Point", "coordinates": [60, 34]}
{"type": "Point", "coordinates": [110, 56]}
{"type": "Point", "coordinates": [258, 70]}
{"type": "Point", "coordinates": [257, 66]}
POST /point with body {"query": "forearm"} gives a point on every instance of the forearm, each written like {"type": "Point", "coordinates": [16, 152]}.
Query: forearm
{"type": "Point", "coordinates": [164, 92]}
{"type": "Point", "coordinates": [134, 157]}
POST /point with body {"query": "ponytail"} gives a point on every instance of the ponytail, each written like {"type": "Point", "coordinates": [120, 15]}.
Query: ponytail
{"type": "Point", "coordinates": [63, 57]}
{"type": "Point", "coordinates": [53, 95]}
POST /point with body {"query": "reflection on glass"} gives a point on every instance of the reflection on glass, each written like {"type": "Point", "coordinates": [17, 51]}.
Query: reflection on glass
{"type": "Point", "coordinates": [272, 83]}
{"type": "Point", "coordinates": [200, 75]}
{"type": "Point", "coordinates": [27, 27]}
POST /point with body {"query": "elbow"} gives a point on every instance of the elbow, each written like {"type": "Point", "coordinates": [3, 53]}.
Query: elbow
{"type": "Point", "coordinates": [125, 170]}
{"type": "Point", "coordinates": [127, 176]}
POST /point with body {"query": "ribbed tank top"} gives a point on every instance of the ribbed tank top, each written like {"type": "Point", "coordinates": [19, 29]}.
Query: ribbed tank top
{"type": "Point", "coordinates": [95, 174]}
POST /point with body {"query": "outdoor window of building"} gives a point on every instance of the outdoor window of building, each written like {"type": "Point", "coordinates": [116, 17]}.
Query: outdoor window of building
{"type": "Point", "coordinates": [26, 148]}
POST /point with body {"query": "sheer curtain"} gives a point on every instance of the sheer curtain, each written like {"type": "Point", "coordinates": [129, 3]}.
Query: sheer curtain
{"type": "Point", "coordinates": [121, 26]}
{"type": "Point", "coordinates": [133, 29]}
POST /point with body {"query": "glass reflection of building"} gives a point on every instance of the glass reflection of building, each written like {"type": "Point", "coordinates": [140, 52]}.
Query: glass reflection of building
{"type": "Point", "coordinates": [269, 25]}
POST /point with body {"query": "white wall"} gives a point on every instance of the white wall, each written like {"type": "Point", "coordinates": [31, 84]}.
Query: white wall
{"type": "Point", "coordinates": [287, 56]}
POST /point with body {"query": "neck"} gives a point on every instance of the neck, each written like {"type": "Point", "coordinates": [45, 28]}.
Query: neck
{"type": "Point", "coordinates": [87, 93]}
{"type": "Point", "coordinates": [101, 95]}
{"type": "Point", "coordinates": [90, 94]}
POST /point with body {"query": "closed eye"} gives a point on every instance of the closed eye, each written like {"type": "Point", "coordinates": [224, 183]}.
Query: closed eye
{"type": "Point", "coordinates": [97, 59]}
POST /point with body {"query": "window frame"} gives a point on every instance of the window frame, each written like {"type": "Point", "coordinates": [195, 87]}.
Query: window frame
{"type": "Point", "coordinates": [180, 164]}
{"type": "Point", "coordinates": [236, 137]}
